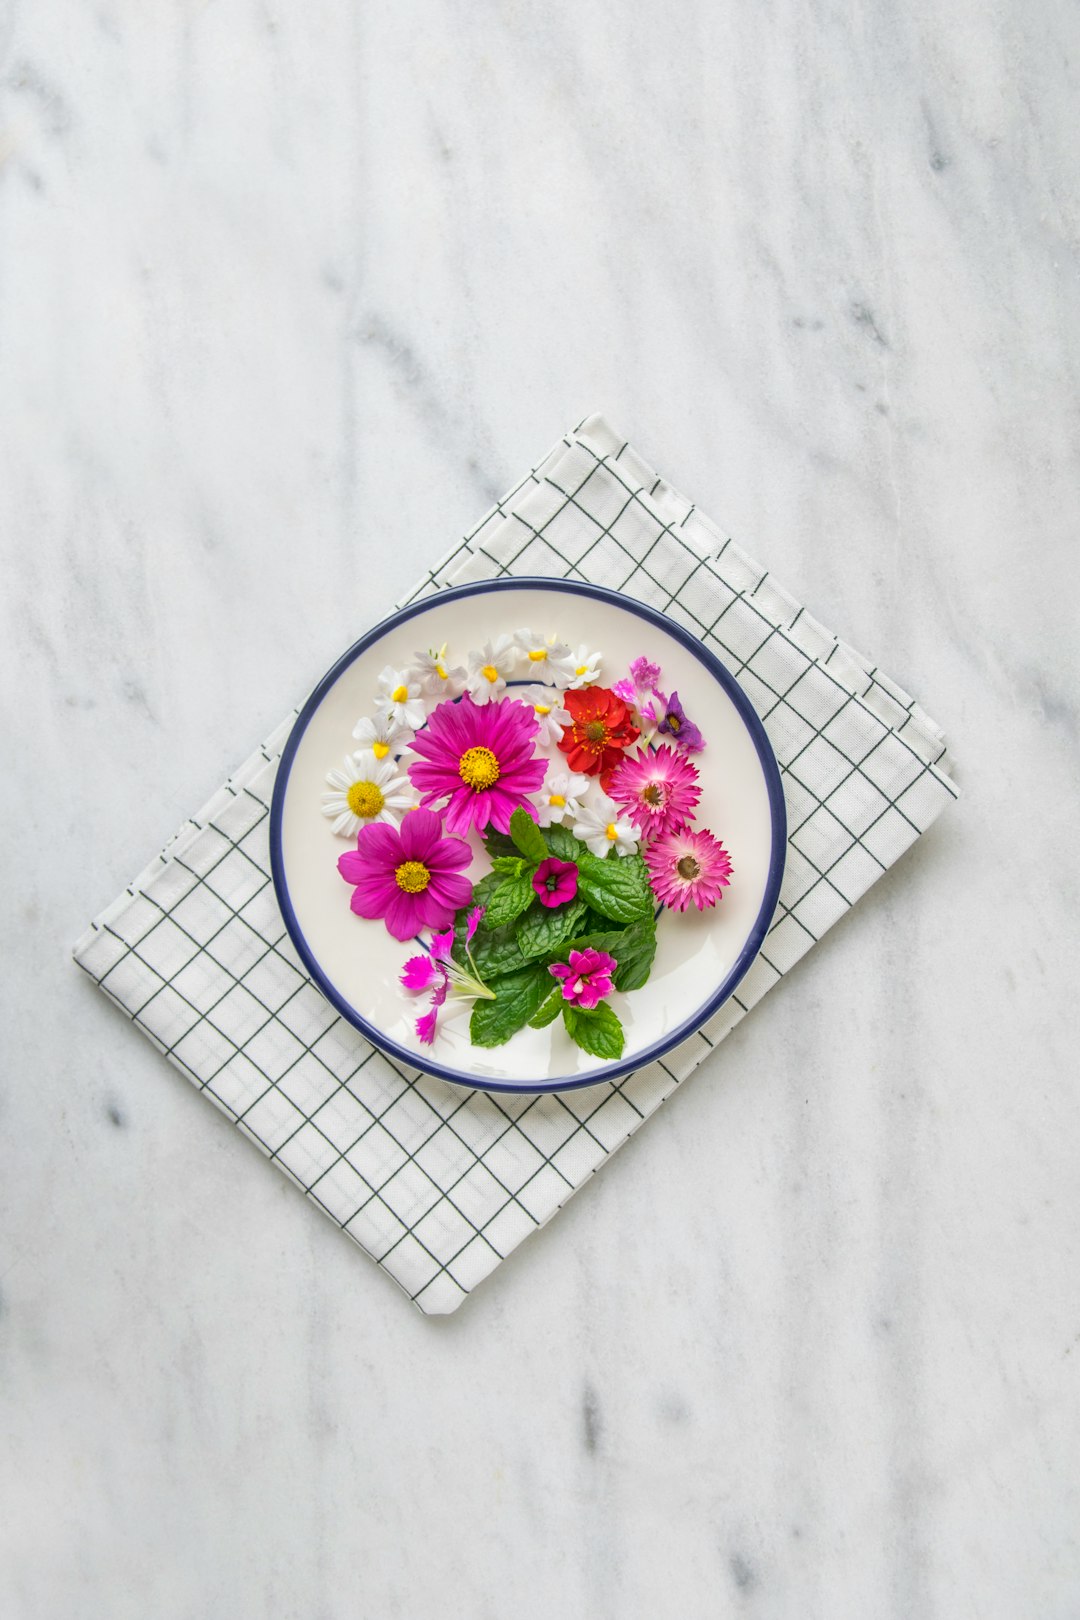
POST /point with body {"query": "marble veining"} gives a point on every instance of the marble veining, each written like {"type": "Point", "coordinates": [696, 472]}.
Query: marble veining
{"type": "Point", "coordinates": [287, 297]}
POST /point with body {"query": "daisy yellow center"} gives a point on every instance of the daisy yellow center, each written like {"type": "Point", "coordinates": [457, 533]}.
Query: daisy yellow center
{"type": "Point", "coordinates": [399, 694]}
{"type": "Point", "coordinates": [612, 832]}
{"type": "Point", "coordinates": [557, 799]}
{"type": "Point", "coordinates": [596, 731]}
{"type": "Point", "coordinates": [441, 673]}
{"type": "Point", "coordinates": [582, 669]}
{"type": "Point", "coordinates": [538, 655]}
{"type": "Point", "coordinates": [380, 749]}
{"type": "Point", "coordinates": [478, 768]}
{"type": "Point", "coordinates": [413, 877]}
{"type": "Point", "coordinates": [542, 708]}
{"type": "Point", "coordinates": [653, 794]}
{"type": "Point", "coordinates": [688, 868]}
{"type": "Point", "coordinates": [364, 799]}
{"type": "Point", "coordinates": [489, 672]}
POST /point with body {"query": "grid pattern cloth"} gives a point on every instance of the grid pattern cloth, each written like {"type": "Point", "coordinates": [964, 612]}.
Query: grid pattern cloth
{"type": "Point", "coordinates": [436, 1184]}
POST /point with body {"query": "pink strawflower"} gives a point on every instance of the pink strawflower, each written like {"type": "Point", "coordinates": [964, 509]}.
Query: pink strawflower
{"type": "Point", "coordinates": [410, 876]}
{"type": "Point", "coordinates": [586, 980]}
{"type": "Point", "coordinates": [660, 791]}
{"type": "Point", "coordinates": [555, 881]}
{"type": "Point", "coordinates": [688, 867]}
{"type": "Point", "coordinates": [481, 760]}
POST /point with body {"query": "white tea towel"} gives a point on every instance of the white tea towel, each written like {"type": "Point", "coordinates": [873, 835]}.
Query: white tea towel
{"type": "Point", "coordinates": [438, 1184]}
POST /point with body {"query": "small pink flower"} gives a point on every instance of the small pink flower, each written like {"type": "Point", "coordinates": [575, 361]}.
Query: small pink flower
{"type": "Point", "coordinates": [659, 790]}
{"type": "Point", "coordinates": [472, 923]}
{"type": "Point", "coordinates": [586, 980]}
{"type": "Point", "coordinates": [555, 881]}
{"type": "Point", "coordinates": [644, 678]}
{"type": "Point", "coordinates": [481, 759]}
{"type": "Point", "coordinates": [439, 973]}
{"type": "Point", "coordinates": [688, 868]}
{"type": "Point", "coordinates": [410, 876]}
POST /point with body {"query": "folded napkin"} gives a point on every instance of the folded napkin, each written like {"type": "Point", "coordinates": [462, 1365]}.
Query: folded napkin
{"type": "Point", "coordinates": [436, 1184]}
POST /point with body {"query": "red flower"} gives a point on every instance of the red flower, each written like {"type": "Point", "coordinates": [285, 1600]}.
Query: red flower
{"type": "Point", "coordinates": [600, 729]}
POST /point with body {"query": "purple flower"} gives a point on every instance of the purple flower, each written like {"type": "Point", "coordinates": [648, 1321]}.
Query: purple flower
{"type": "Point", "coordinates": [586, 980]}
{"type": "Point", "coordinates": [642, 682]}
{"type": "Point", "coordinates": [674, 723]}
{"type": "Point", "coordinates": [555, 881]}
{"type": "Point", "coordinates": [410, 877]}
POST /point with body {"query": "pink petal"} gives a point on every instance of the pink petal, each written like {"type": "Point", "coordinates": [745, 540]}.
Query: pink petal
{"type": "Point", "coordinates": [420, 972]}
{"type": "Point", "coordinates": [419, 830]}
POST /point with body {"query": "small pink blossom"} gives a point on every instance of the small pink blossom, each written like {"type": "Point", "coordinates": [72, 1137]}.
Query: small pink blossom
{"type": "Point", "coordinates": [586, 979]}
{"type": "Point", "coordinates": [555, 881]}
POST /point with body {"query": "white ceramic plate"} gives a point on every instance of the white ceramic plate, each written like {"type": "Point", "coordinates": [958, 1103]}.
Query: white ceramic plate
{"type": "Point", "coordinates": [700, 956]}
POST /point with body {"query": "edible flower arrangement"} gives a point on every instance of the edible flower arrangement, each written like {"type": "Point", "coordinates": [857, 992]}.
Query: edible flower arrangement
{"type": "Point", "coordinates": [582, 797]}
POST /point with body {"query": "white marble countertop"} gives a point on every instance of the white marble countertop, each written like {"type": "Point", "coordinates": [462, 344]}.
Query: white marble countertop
{"type": "Point", "coordinates": [287, 295]}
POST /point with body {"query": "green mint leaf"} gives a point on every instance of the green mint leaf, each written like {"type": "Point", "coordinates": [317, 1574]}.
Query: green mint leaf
{"type": "Point", "coordinates": [549, 1009]}
{"type": "Point", "coordinates": [633, 949]}
{"type": "Point", "coordinates": [508, 865]}
{"type": "Point", "coordinates": [562, 843]}
{"type": "Point", "coordinates": [518, 997]}
{"type": "Point", "coordinates": [618, 889]}
{"type": "Point", "coordinates": [527, 836]}
{"type": "Point", "coordinates": [497, 843]}
{"type": "Point", "coordinates": [513, 896]}
{"type": "Point", "coordinates": [496, 953]}
{"type": "Point", "coordinates": [543, 930]}
{"type": "Point", "coordinates": [598, 1031]}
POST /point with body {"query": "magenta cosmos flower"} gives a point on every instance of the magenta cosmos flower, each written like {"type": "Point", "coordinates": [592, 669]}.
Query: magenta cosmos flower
{"type": "Point", "coordinates": [481, 760]}
{"type": "Point", "coordinates": [555, 881]}
{"type": "Point", "coordinates": [688, 868]}
{"type": "Point", "coordinates": [586, 979]}
{"type": "Point", "coordinates": [659, 790]}
{"type": "Point", "coordinates": [410, 876]}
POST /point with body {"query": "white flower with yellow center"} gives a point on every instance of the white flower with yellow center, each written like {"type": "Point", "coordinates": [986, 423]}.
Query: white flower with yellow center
{"type": "Point", "coordinates": [401, 698]}
{"type": "Point", "coordinates": [548, 659]}
{"type": "Point", "coordinates": [381, 737]}
{"type": "Point", "coordinates": [489, 668]}
{"type": "Point", "coordinates": [438, 682]}
{"type": "Point", "coordinates": [602, 824]}
{"type": "Point", "coordinates": [560, 797]}
{"type": "Point", "coordinates": [585, 669]}
{"type": "Point", "coordinates": [546, 704]}
{"type": "Point", "coordinates": [366, 790]}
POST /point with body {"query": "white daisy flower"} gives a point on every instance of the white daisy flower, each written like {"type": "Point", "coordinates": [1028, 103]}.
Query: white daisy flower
{"type": "Point", "coordinates": [488, 669]}
{"type": "Point", "coordinates": [585, 670]}
{"type": "Point", "coordinates": [438, 682]}
{"type": "Point", "coordinates": [560, 797]}
{"type": "Point", "coordinates": [602, 824]}
{"type": "Point", "coordinates": [549, 660]}
{"type": "Point", "coordinates": [400, 698]}
{"type": "Point", "coordinates": [368, 789]}
{"type": "Point", "coordinates": [547, 707]}
{"type": "Point", "coordinates": [382, 736]}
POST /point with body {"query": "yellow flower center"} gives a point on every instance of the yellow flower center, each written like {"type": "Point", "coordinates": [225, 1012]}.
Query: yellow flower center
{"type": "Point", "coordinates": [399, 694]}
{"type": "Point", "coordinates": [413, 877]}
{"type": "Point", "coordinates": [557, 800]}
{"type": "Point", "coordinates": [673, 723]}
{"type": "Point", "coordinates": [688, 868]}
{"type": "Point", "coordinates": [582, 669]}
{"type": "Point", "coordinates": [380, 749]}
{"type": "Point", "coordinates": [612, 832]}
{"type": "Point", "coordinates": [478, 768]}
{"type": "Point", "coordinates": [538, 655]}
{"type": "Point", "coordinates": [364, 799]}
{"type": "Point", "coordinates": [542, 708]}
{"type": "Point", "coordinates": [489, 672]}
{"type": "Point", "coordinates": [440, 672]}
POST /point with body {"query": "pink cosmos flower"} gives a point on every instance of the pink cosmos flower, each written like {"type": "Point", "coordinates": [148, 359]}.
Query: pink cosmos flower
{"type": "Point", "coordinates": [410, 876]}
{"type": "Point", "coordinates": [586, 980]}
{"type": "Point", "coordinates": [438, 972]}
{"type": "Point", "coordinates": [643, 681]}
{"type": "Point", "coordinates": [659, 790]}
{"type": "Point", "coordinates": [481, 760]}
{"type": "Point", "coordinates": [555, 881]}
{"type": "Point", "coordinates": [688, 867]}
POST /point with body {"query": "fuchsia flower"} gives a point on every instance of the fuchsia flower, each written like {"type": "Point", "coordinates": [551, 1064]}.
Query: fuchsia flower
{"type": "Point", "coordinates": [555, 881]}
{"type": "Point", "coordinates": [674, 722]}
{"type": "Point", "coordinates": [481, 760]}
{"type": "Point", "coordinates": [439, 973]}
{"type": "Point", "coordinates": [410, 876]}
{"type": "Point", "coordinates": [659, 790]}
{"type": "Point", "coordinates": [586, 980]}
{"type": "Point", "coordinates": [688, 868]}
{"type": "Point", "coordinates": [643, 681]}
